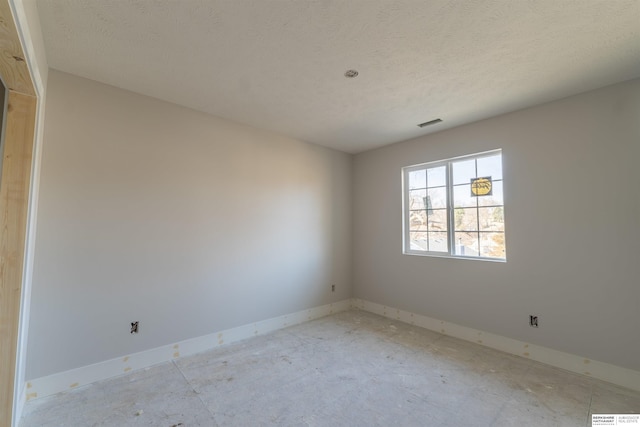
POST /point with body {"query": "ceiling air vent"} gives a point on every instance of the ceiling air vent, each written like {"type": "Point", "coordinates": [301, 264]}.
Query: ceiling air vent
{"type": "Point", "coordinates": [430, 122]}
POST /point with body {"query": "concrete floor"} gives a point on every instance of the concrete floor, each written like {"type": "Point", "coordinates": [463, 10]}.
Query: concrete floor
{"type": "Point", "coordinates": [350, 369]}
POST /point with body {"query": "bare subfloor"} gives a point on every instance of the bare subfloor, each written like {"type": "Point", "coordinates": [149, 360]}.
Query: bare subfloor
{"type": "Point", "coordinates": [349, 369]}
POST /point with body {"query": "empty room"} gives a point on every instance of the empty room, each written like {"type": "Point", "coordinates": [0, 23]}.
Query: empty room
{"type": "Point", "coordinates": [320, 213]}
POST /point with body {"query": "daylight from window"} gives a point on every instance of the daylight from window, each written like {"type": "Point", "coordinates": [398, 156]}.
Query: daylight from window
{"type": "Point", "coordinates": [455, 207]}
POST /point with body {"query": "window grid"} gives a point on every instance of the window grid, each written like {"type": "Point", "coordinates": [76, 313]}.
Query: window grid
{"type": "Point", "coordinates": [422, 239]}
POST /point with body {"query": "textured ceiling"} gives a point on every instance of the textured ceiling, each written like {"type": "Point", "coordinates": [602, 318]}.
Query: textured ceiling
{"type": "Point", "coordinates": [279, 64]}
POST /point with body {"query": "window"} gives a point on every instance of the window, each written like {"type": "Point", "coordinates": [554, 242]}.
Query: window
{"type": "Point", "coordinates": [455, 207]}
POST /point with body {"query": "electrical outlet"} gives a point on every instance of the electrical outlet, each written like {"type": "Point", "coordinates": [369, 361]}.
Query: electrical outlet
{"type": "Point", "coordinates": [134, 327]}
{"type": "Point", "coordinates": [333, 288]}
{"type": "Point", "coordinates": [533, 321]}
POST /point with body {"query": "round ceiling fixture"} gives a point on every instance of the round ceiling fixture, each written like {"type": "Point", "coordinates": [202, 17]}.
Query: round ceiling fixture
{"type": "Point", "coordinates": [350, 74]}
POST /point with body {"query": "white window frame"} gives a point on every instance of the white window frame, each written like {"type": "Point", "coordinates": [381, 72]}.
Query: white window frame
{"type": "Point", "coordinates": [450, 210]}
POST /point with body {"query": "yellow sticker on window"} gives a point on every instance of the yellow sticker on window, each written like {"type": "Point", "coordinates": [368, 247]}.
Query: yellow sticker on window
{"type": "Point", "coordinates": [481, 186]}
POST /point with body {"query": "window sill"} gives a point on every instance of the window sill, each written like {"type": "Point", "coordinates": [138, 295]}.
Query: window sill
{"type": "Point", "coordinates": [441, 255]}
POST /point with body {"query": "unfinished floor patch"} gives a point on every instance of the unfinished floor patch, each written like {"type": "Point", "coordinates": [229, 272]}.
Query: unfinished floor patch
{"type": "Point", "coordinates": [351, 368]}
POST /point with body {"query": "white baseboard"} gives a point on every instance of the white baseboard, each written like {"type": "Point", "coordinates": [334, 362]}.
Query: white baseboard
{"type": "Point", "coordinates": [603, 371]}
{"type": "Point", "coordinates": [65, 381]}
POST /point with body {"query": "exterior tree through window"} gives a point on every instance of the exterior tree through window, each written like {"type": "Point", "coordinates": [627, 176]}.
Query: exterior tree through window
{"type": "Point", "coordinates": [455, 207]}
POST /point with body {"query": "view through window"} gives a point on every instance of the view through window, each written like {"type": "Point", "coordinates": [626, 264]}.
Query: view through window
{"type": "Point", "coordinates": [455, 207]}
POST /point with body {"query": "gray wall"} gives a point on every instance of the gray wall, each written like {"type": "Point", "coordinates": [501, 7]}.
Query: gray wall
{"type": "Point", "coordinates": [186, 222]}
{"type": "Point", "coordinates": [192, 224]}
{"type": "Point", "coordinates": [572, 196]}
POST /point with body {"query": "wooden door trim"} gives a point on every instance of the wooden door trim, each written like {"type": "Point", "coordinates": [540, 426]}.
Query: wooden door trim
{"type": "Point", "coordinates": [14, 199]}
